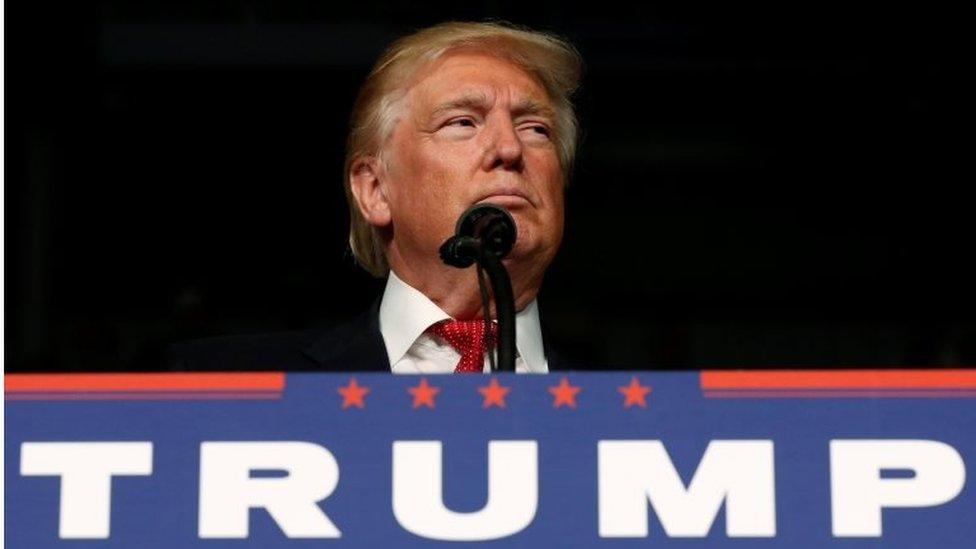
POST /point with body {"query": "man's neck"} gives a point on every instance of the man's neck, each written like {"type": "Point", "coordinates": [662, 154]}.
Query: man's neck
{"type": "Point", "coordinates": [456, 291]}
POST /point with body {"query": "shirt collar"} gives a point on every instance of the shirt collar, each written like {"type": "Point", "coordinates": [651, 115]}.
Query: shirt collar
{"type": "Point", "coordinates": [528, 338]}
{"type": "Point", "coordinates": [406, 313]}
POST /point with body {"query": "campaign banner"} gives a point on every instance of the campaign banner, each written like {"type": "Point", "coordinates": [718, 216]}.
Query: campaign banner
{"type": "Point", "coordinates": [846, 458]}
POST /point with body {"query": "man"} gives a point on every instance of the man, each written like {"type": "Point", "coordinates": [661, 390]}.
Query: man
{"type": "Point", "coordinates": [451, 116]}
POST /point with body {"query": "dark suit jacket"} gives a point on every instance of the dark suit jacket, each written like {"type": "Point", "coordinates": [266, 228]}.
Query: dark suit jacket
{"type": "Point", "coordinates": [355, 346]}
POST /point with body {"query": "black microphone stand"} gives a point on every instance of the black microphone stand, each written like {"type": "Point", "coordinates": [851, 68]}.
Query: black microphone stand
{"type": "Point", "coordinates": [501, 288]}
{"type": "Point", "coordinates": [485, 233]}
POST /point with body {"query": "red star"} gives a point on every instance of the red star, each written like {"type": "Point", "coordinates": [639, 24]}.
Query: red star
{"type": "Point", "coordinates": [634, 393]}
{"type": "Point", "coordinates": [564, 393]}
{"type": "Point", "coordinates": [423, 394]}
{"type": "Point", "coordinates": [494, 394]}
{"type": "Point", "coordinates": [353, 394]}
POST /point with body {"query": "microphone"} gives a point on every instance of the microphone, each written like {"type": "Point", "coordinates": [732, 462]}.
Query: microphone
{"type": "Point", "coordinates": [482, 228]}
{"type": "Point", "coordinates": [485, 233]}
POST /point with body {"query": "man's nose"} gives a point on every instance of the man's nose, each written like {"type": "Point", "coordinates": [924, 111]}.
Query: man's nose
{"type": "Point", "coordinates": [504, 148]}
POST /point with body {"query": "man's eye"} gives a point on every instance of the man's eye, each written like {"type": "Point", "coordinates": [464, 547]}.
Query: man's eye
{"type": "Point", "coordinates": [461, 123]}
{"type": "Point", "coordinates": [539, 129]}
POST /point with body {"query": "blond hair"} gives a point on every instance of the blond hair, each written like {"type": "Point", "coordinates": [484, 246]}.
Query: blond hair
{"type": "Point", "coordinates": [553, 61]}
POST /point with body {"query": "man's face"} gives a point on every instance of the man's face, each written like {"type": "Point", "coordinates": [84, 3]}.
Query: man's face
{"type": "Point", "coordinates": [474, 128]}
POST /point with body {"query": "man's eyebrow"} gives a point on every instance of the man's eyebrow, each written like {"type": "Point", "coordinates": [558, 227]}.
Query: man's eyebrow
{"type": "Point", "coordinates": [471, 101]}
{"type": "Point", "coordinates": [531, 106]}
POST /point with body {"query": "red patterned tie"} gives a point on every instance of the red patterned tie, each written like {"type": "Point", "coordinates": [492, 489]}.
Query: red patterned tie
{"type": "Point", "coordinates": [468, 338]}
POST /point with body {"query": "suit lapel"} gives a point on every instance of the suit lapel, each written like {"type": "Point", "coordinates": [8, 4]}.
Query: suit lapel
{"type": "Point", "coordinates": [354, 347]}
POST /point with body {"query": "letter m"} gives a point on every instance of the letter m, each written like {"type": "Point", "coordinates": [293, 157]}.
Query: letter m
{"type": "Point", "coordinates": [738, 473]}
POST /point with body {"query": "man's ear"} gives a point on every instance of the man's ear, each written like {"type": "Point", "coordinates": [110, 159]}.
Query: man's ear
{"type": "Point", "coordinates": [367, 190]}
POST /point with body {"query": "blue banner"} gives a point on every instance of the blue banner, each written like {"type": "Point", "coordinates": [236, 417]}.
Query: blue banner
{"type": "Point", "coordinates": [669, 459]}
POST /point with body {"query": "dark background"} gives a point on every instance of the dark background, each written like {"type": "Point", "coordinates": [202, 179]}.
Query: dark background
{"type": "Point", "coordinates": [775, 186]}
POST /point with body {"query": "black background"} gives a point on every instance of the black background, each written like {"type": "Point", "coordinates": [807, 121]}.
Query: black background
{"type": "Point", "coordinates": [757, 186]}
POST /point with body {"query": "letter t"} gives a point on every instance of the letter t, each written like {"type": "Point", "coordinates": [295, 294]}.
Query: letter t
{"type": "Point", "coordinates": [86, 470]}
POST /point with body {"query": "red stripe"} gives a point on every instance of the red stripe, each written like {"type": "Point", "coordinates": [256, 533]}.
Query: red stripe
{"type": "Point", "coordinates": [839, 379]}
{"type": "Point", "coordinates": [813, 393]}
{"type": "Point", "coordinates": [196, 381]}
{"type": "Point", "coordinates": [222, 395]}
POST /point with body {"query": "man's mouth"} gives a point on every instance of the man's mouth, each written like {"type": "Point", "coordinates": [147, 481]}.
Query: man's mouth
{"type": "Point", "coordinates": [507, 197]}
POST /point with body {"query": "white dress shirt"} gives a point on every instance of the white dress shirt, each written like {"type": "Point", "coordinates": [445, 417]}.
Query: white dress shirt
{"type": "Point", "coordinates": [405, 315]}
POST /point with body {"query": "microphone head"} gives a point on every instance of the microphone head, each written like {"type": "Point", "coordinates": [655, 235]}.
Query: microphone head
{"type": "Point", "coordinates": [460, 251]}
{"type": "Point", "coordinates": [491, 224]}
{"type": "Point", "coordinates": [481, 229]}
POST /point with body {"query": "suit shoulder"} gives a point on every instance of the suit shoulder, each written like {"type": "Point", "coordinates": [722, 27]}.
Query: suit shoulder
{"type": "Point", "coordinates": [252, 352]}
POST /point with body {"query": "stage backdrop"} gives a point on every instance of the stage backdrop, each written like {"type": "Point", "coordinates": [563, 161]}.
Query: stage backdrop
{"type": "Point", "coordinates": [674, 459]}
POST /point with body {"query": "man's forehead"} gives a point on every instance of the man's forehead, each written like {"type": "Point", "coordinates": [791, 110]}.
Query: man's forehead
{"type": "Point", "coordinates": [477, 98]}
{"type": "Point", "coordinates": [475, 78]}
